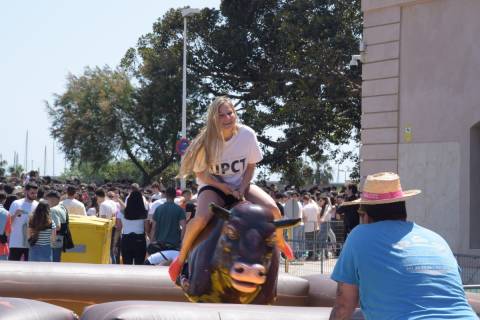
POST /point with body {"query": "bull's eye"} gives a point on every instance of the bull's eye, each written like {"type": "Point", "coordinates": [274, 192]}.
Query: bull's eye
{"type": "Point", "coordinates": [270, 241]}
{"type": "Point", "coordinates": [231, 232]}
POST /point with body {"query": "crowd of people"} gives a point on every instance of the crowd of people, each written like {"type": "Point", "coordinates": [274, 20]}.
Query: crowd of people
{"type": "Point", "coordinates": [34, 213]}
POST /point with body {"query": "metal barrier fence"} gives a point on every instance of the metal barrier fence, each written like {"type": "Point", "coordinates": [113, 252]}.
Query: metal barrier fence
{"type": "Point", "coordinates": [470, 266]}
{"type": "Point", "coordinates": [315, 251]}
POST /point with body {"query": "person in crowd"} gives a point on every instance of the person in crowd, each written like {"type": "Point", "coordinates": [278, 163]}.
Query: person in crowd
{"type": "Point", "coordinates": [156, 192]}
{"type": "Point", "coordinates": [58, 213]}
{"type": "Point", "coordinates": [280, 202]}
{"type": "Point", "coordinates": [41, 233]}
{"type": "Point", "coordinates": [168, 222]}
{"type": "Point", "coordinates": [10, 196]}
{"type": "Point", "coordinates": [311, 220]}
{"type": "Point", "coordinates": [114, 195]}
{"type": "Point", "coordinates": [136, 187]}
{"type": "Point", "coordinates": [350, 215]}
{"type": "Point", "coordinates": [161, 258]}
{"type": "Point", "coordinates": [187, 204]}
{"type": "Point", "coordinates": [74, 206]}
{"type": "Point", "coordinates": [293, 209]}
{"type": "Point", "coordinates": [326, 232]}
{"type": "Point", "coordinates": [19, 212]}
{"type": "Point", "coordinates": [5, 227]}
{"type": "Point", "coordinates": [131, 226]}
{"type": "Point", "coordinates": [92, 207]}
{"type": "Point", "coordinates": [107, 207]}
{"type": "Point", "coordinates": [396, 268]}
{"type": "Point", "coordinates": [223, 157]}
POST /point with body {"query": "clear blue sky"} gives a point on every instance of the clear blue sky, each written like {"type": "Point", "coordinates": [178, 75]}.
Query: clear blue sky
{"type": "Point", "coordinates": [42, 41]}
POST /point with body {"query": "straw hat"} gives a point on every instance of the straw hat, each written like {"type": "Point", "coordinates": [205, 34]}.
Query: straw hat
{"type": "Point", "coordinates": [382, 187]}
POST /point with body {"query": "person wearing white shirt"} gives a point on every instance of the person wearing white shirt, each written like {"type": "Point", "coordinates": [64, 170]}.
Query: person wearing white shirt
{"type": "Point", "coordinates": [326, 210]}
{"type": "Point", "coordinates": [311, 222]}
{"type": "Point", "coordinates": [19, 211]}
{"type": "Point", "coordinates": [72, 205]}
{"type": "Point", "coordinates": [107, 208]}
{"type": "Point", "coordinates": [156, 193]}
{"type": "Point", "coordinates": [130, 230]}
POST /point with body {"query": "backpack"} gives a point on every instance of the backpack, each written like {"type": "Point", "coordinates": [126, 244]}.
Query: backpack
{"type": "Point", "coordinates": [67, 237]}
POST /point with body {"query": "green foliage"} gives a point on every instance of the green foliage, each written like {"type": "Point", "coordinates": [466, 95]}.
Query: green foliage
{"type": "Point", "coordinates": [3, 164]}
{"type": "Point", "coordinates": [99, 118]}
{"type": "Point", "coordinates": [286, 64]}
{"type": "Point", "coordinates": [85, 119]}
{"type": "Point", "coordinates": [283, 62]}
{"type": "Point", "coordinates": [113, 171]}
{"type": "Point", "coordinates": [16, 170]}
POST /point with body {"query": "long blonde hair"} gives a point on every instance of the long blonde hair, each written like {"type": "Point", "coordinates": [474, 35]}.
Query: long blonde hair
{"type": "Point", "coordinates": [210, 138]}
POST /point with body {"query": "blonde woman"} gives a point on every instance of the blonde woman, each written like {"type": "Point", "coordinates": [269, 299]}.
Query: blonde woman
{"type": "Point", "coordinates": [223, 157]}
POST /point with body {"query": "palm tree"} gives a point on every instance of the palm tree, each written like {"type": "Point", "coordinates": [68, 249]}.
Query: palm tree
{"type": "Point", "coordinates": [3, 163]}
{"type": "Point", "coordinates": [17, 170]}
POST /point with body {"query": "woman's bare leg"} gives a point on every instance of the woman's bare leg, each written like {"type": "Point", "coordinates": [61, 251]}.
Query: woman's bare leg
{"type": "Point", "coordinates": [193, 229]}
{"type": "Point", "coordinates": [256, 195]}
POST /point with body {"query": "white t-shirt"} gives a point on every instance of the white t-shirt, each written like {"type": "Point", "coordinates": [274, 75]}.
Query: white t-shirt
{"type": "Point", "coordinates": [128, 226]}
{"type": "Point", "coordinates": [154, 205]}
{"type": "Point", "coordinates": [107, 209]}
{"type": "Point", "coordinates": [157, 258]}
{"type": "Point", "coordinates": [241, 150]}
{"type": "Point", "coordinates": [311, 213]}
{"type": "Point", "coordinates": [18, 236]}
{"type": "Point", "coordinates": [91, 211]}
{"type": "Point", "coordinates": [74, 207]}
{"type": "Point", "coordinates": [327, 214]}
{"type": "Point", "coordinates": [157, 196]}
{"type": "Point", "coordinates": [293, 210]}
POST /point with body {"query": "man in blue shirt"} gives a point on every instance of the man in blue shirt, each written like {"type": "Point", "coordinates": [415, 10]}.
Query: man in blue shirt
{"type": "Point", "coordinates": [397, 269]}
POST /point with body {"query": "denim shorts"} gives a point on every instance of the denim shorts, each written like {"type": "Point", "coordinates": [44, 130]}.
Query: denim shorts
{"type": "Point", "coordinates": [41, 253]}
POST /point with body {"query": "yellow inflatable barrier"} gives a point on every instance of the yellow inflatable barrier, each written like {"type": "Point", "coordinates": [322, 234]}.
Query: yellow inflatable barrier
{"type": "Point", "coordinates": [92, 238]}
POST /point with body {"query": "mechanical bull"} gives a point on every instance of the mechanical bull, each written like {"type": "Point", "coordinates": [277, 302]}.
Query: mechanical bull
{"type": "Point", "coordinates": [235, 259]}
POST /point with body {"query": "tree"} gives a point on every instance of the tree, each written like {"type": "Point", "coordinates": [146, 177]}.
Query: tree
{"type": "Point", "coordinates": [100, 118]}
{"type": "Point", "coordinates": [16, 170]}
{"type": "Point", "coordinates": [286, 64]}
{"type": "Point", "coordinates": [283, 62]}
{"type": "Point", "coordinates": [3, 163]}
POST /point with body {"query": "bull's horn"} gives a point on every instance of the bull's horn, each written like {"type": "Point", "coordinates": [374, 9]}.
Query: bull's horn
{"type": "Point", "coordinates": [220, 212]}
{"type": "Point", "coordinates": [286, 223]}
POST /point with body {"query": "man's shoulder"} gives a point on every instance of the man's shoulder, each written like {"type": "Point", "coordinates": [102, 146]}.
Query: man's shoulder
{"type": "Point", "coordinates": [17, 202]}
{"type": "Point", "coordinates": [78, 203]}
{"type": "Point", "coordinates": [3, 211]}
{"type": "Point", "coordinates": [59, 208]}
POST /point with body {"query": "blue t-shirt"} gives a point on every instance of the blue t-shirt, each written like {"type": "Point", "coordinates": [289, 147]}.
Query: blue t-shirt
{"type": "Point", "coordinates": [403, 271]}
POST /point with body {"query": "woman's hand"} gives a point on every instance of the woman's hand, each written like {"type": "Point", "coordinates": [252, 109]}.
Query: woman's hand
{"type": "Point", "coordinates": [237, 194]}
{"type": "Point", "coordinates": [225, 188]}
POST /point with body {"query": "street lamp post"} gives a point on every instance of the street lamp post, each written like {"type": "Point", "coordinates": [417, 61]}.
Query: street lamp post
{"type": "Point", "coordinates": [185, 13]}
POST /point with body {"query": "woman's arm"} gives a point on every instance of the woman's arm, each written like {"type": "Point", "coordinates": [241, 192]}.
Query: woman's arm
{"type": "Point", "coordinates": [211, 181]}
{"type": "Point", "coordinates": [247, 178]}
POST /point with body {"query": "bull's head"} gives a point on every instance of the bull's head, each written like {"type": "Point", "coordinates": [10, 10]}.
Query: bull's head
{"type": "Point", "coordinates": [246, 244]}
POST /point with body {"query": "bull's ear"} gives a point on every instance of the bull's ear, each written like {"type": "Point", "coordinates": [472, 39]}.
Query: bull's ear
{"type": "Point", "coordinates": [286, 223]}
{"type": "Point", "coordinates": [220, 212]}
